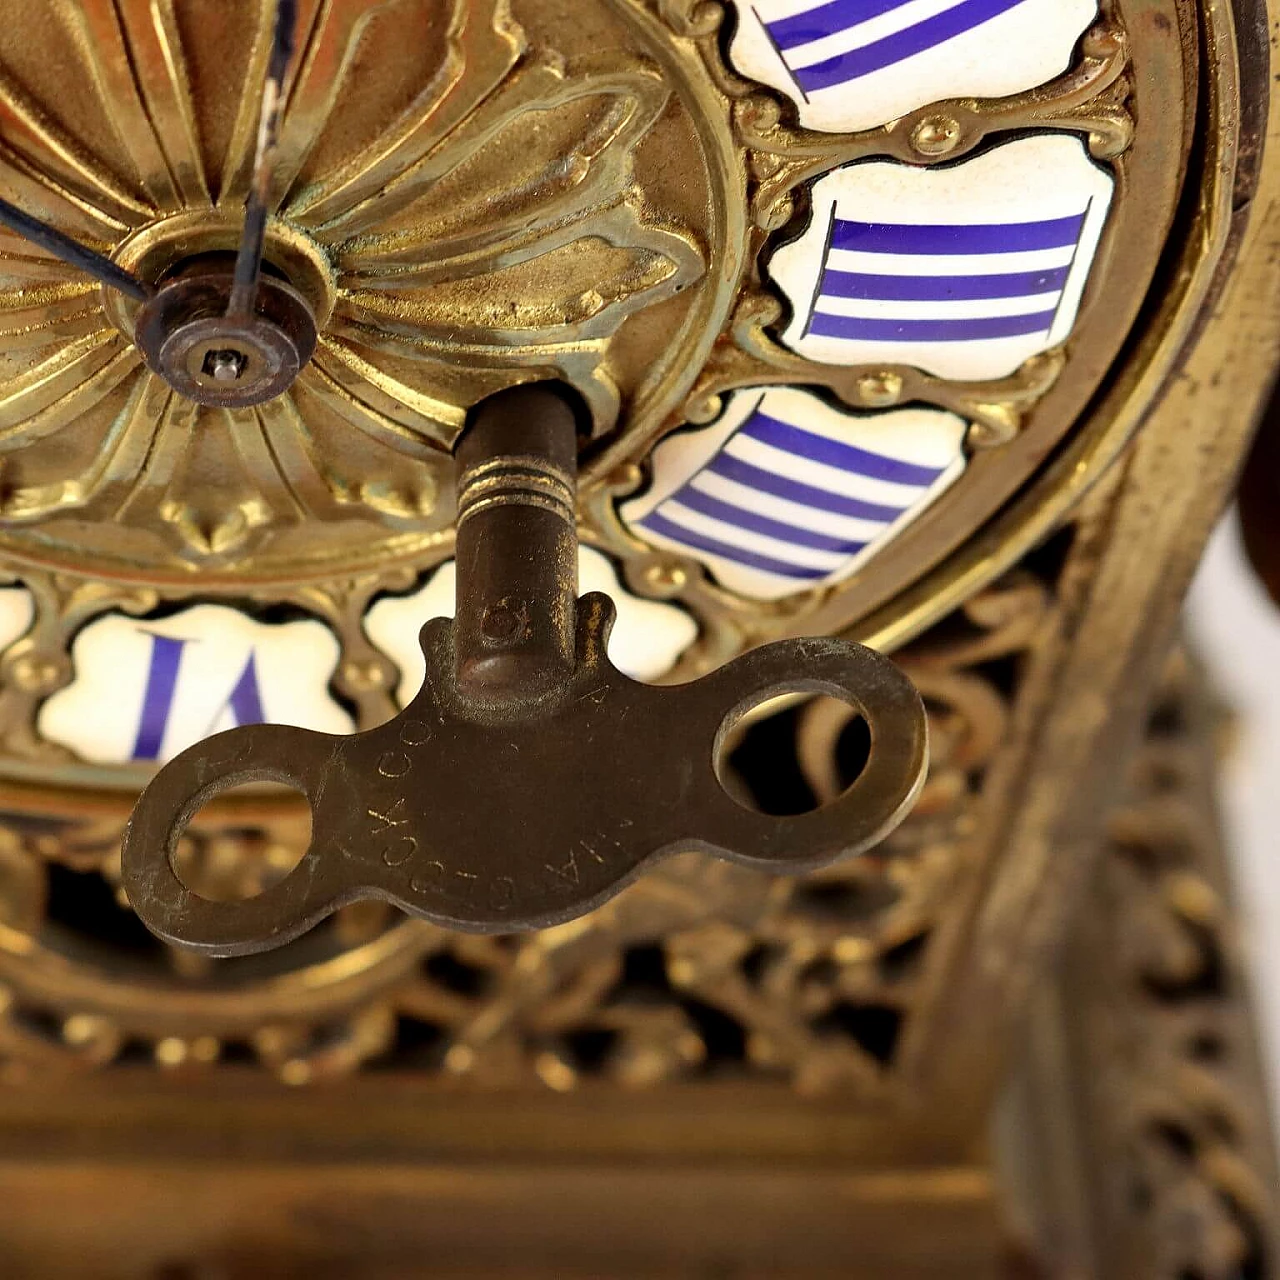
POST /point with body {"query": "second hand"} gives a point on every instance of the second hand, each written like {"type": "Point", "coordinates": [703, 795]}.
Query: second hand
{"type": "Point", "coordinates": [244, 289]}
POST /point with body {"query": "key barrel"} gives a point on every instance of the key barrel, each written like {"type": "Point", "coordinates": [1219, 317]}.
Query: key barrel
{"type": "Point", "coordinates": [517, 547]}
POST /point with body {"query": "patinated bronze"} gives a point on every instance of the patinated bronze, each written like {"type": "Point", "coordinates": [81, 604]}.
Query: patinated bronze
{"type": "Point", "coordinates": [517, 789]}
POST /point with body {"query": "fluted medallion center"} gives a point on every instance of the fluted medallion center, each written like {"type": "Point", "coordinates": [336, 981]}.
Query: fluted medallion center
{"type": "Point", "coordinates": [189, 337]}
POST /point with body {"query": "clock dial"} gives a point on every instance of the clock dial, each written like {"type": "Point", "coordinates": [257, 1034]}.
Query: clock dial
{"type": "Point", "coordinates": [834, 280]}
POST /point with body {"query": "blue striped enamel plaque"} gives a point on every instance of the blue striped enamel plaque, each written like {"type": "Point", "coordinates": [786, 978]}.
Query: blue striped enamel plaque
{"type": "Point", "coordinates": [785, 493]}
{"type": "Point", "coordinates": [857, 64]}
{"type": "Point", "coordinates": [964, 272]}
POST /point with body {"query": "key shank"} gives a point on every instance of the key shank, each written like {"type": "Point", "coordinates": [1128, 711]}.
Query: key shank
{"type": "Point", "coordinates": [517, 549]}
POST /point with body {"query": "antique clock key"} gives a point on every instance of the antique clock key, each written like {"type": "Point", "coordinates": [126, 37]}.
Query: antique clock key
{"type": "Point", "coordinates": [529, 780]}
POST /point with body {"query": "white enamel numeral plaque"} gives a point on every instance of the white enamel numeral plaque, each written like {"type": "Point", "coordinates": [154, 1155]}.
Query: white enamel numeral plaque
{"type": "Point", "coordinates": [964, 272]}
{"type": "Point", "coordinates": [145, 689]}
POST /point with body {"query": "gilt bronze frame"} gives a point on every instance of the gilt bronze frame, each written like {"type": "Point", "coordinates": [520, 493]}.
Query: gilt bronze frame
{"type": "Point", "coordinates": [1013, 1042]}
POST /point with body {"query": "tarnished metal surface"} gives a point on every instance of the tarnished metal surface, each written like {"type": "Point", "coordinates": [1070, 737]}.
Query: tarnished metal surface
{"type": "Point", "coordinates": [190, 337]}
{"type": "Point", "coordinates": [529, 780]}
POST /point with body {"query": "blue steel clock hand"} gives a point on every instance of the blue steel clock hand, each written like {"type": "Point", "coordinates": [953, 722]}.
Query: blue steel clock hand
{"type": "Point", "coordinates": [100, 267]}
{"type": "Point", "coordinates": [244, 292]}
{"type": "Point", "coordinates": [244, 289]}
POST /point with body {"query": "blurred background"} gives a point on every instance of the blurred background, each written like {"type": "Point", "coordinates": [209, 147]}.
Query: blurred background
{"type": "Point", "coordinates": [1235, 627]}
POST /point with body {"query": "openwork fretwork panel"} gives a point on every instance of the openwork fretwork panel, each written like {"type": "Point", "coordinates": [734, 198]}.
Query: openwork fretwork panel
{"type": "Point", "coordinates": [699, 969]}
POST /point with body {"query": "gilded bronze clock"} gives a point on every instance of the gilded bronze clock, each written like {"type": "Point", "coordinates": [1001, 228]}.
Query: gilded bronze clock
{"type": "Point", "coordinates": [870, 308]}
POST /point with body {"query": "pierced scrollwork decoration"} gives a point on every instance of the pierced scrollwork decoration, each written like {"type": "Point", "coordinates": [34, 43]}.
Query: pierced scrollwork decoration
{"type": "Point", "coordinates": [1169, 1094]}
{"type": "Point", "coordinates": [699, 967]}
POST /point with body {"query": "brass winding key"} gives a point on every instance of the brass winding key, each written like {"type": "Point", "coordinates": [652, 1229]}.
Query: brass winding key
{"type": "Point", "coordinates": [529, 780]}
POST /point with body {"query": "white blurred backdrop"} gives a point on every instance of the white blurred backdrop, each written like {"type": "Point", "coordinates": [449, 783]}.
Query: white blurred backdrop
{"type": "Point", "coordinates": [1236, 629]}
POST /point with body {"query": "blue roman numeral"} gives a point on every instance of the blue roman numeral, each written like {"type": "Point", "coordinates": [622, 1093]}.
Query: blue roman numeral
{"type": "Point", "coordinates": [244, 701]}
